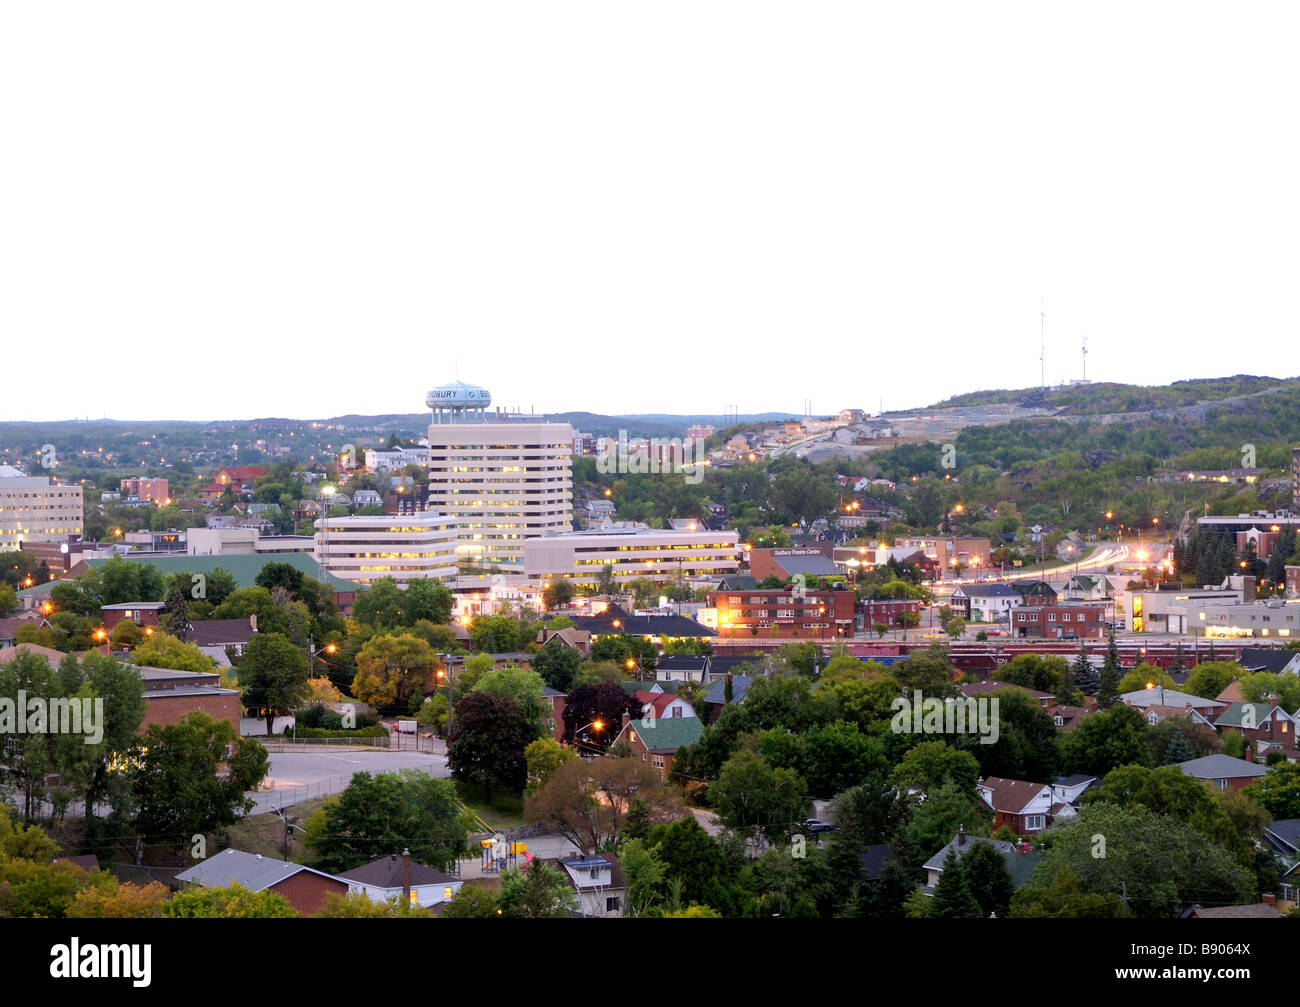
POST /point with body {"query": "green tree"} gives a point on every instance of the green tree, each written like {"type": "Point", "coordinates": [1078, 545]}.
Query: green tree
{"type": "Point", "coordinates": [538, 892]}
{"type": "Point", "coordinates": [387, 813]}
{"type": "Point", "coordinates": [1162, 864]}
{"type": "Point", "coordinates": [486, 748]}
{"type": "Point", "coordinates": [543, 757]}
{"type": "Point", "coordinates": [427, 599]}
{"type": "Point", "coordinates": [1278, 791]}
{"type": "Point", "coordinates": [936, 819]}
{"type": "Point", "coordinates": [391, 669]}
{"type": "Point", "coordinates": [525, 688]}
{"type": "Point", "coordinates": [232, 902]}
{"type": "Point", "coordinates": [557, 664]}
{"type": "Point", "coordinates": [753, 797]}
{"type": "Point", "coordinates": [930, 764]}
{"type": "Point", "coordinates": [1208, 679]}
{"type": "Point", "coordinates": [163, 650]}
{"type": "Point", "coordinates": [558, 593]}
{"type": "Point", "coordinates": [175, 781]}
{"type": "Point", "coordinates": [694, 862]}
{"type": "Point", "coordinates": [471, 901]}
{"type": "Point", "coordinates": [988, 879]}
{"type": "Point", "coordinates": [1115, 737]}
{"type": "Point", "coordinates": [953, 898]}
{"type": "Point", "coordinates": [273, 676]}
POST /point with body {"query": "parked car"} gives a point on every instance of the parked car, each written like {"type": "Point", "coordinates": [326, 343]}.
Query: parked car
{"type": "Point", "coordinates": [816, 825]}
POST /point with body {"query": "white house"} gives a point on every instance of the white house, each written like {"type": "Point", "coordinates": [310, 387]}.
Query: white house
{"type": "Point", "coordinates": [389, 876]}
{"type": "Point", "coordinates": [988, 602]}
{"type": "Point", "coordinates": [597, 881]}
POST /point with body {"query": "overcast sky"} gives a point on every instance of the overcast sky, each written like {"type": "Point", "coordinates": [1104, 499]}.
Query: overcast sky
{"type": "Point", "coordinates": [306, 209]}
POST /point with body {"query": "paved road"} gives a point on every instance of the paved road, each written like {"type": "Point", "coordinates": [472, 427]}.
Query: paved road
{"type": "Point", "coordinates": [302, 776]}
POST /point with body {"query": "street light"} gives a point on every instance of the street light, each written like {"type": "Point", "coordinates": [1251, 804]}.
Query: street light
{"type": "Point", "coordinates": [597, 724]}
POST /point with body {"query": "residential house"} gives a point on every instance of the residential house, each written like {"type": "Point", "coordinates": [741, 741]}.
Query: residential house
{"type": "Point", "coordinates": [1035, 592]}
{"type": "Point", "coordinates": [1278, 662]}
{"type": "Point", "coordinates": [716, 698]}
{"type": "Point", "coordinates": [663, 704]}
{"type": "Point", "coordinates": [1160, 696]}
{"type": "Point", "coordinates": [395, 876]}
{"type": "Point", "coordinates": [986, 602]}
{"type": "Point", "coordinates": [305, 887]}
{"type": "Point", "coordinates": [616, 620]}
{"type": "Point", "coordinates": [1020, 862]}
{"type": "Point", "coordinates": [557, 702]}
{"type": "Point", "coordinates": [681, 668]}
{"type": "Point", "coordinates": [1253, 911]}
{"type": "Point", "coordinates": [1266, 725]}
{"type": "Point", "coordinates": [597, 881]}
{"type": "Point", "coordinates": [1082, 587]}
{"type": "Point", "coordinates": [142, 613]}
{"type": "Point", "coordinates": [1223, 772]}
{"type": "Point", "coordinates": [578, 639]}
{"type": "Point", "coordinates": [977, 689]}
{"type": "Point", "coordinates": [656, 742]}
{"type": "Point", "coordinates": [1022, 806]}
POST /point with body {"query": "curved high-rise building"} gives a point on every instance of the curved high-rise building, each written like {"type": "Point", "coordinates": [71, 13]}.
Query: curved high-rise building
{"type": "Point", "coordinates": [504, 479]}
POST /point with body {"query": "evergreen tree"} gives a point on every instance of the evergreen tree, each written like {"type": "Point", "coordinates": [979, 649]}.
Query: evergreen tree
{"type": "Point", "coordinates": [952, 895]}
{"type": "Point", "coordinates": [1066, 688]}
{"type": "Point", "coordinates": [1085, 676]}
{"type": "Point", "coordinates": [989, 879]}
{"type": "Point", "coordinates": [1178, 751]}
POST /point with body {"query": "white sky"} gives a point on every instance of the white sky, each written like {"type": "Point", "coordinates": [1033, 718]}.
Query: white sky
{"type": "Point", "coordinates": [246, 209]}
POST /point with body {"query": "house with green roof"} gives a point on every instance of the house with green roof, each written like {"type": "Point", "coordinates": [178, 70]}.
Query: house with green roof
{"type": "Point", "coordinates": [655, 740]}
{"type": "Point", "coordinates": [1265, 725]}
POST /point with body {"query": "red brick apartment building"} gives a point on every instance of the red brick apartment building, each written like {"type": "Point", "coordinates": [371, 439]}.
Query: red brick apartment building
{"type": "Point", "coordinates": [784, 614]}
{"type": "Point", "coordinates": [1083, 622]}
{"type": "Point", "coordinates": [887, 610]}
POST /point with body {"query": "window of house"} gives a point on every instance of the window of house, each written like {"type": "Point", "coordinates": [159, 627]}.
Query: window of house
{"type": "Point", "coordinates": [1033, 823]}
{"type": "Point", "coordinates": [611, 905]}
{"type": "Point", "coordinates": [1060, 721]}
{"type": "Point", "coordinates": [595, 874]}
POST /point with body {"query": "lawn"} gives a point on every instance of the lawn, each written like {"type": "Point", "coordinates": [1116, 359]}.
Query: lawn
{"type": "Point", "coordinates": [264, 833]}
{"type": "Point", "coordinates": [502, 812]}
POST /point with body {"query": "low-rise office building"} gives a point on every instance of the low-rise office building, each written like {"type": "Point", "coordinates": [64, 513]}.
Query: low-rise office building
{"type": "Point", "coordinates": [632, 553]}
{"type": "Point", "coordinates": [405, 548]}
{"type": "Point", "coordinates": [34, 509]}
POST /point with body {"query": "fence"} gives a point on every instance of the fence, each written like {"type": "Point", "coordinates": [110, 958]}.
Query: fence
{"type": "Point", "coordinates": [394, 743]}
{"type": "Point", "coordinates": [271, 797]}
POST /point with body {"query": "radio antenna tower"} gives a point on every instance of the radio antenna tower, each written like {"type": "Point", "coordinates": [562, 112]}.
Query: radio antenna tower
{"type": "Point", "coordinates": [1085, 358]}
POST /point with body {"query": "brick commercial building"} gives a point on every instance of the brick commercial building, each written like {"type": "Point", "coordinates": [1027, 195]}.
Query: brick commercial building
{"type": "Point", "coordinates": [785, 614]}
{"type": "Point", "coordinates": [1083, 622]}
{"type": "Point", "coordinates": [949, 553]}
{"type": "Point", "coordinates": [171, 695]}
{"type": "Point", "coordinates": [890, 611]}
{"type": "Point", "coordinates": [810, 561]}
